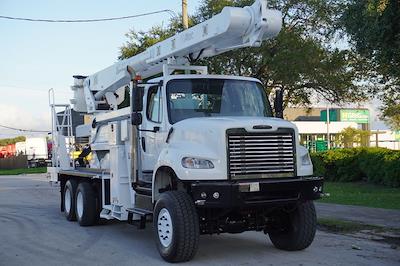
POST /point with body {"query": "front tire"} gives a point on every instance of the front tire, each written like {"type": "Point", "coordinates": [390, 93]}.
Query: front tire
{"type": "Point", "coordinates": [176, 226]}
{"type": "Point", "coordinates": [69, 199]}
{"type": "Point", "coordinates": [86, 207]}
{"type": "Point", "coordinates": [299, 230]}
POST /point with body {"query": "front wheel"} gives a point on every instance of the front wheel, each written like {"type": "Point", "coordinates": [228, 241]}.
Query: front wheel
{"type": "Point", "coordinates": [299, 228]}
{"type": "Point", "coordinates": [176, 226]}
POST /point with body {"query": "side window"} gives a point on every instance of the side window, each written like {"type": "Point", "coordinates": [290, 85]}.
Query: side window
{"type": "Point", "coordinates": [154, 105]}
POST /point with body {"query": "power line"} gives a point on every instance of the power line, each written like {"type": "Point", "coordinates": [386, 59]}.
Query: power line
{"type": "Point", "coordinates": [25, 130]}
{"type": "Point", "coordinates": [32, 89]}
{"type": "Point", "coordinates": [170, 12]}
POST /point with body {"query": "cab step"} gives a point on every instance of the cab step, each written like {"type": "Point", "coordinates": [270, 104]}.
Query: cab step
{"type": "Point", "coordinates": [143, 213]}
{"type": "Point", "coordinates": [142, 188]}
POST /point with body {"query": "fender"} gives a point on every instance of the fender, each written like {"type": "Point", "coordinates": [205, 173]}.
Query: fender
{"type": "Point", "coordinates": [171, 157]}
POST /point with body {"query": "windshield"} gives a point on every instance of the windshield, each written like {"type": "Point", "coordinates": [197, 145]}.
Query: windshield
{"type": "Point", "coordinates": [187, 98]}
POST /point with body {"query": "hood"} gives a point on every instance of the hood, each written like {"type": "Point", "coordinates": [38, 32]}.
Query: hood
{"type": "Point", "coordinates": [206, 138]}
{"type": "Point", "coordinates": [267, 124]}
{"type": "Point", "coordinates": [212, 130]}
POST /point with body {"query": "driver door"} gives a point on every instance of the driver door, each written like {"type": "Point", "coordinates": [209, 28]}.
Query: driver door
{"type": "Point", "coordinates": [152, 131]}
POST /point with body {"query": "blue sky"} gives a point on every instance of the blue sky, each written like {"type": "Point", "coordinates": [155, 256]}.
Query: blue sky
{"type": "Point", "coordinates": [36, 56]}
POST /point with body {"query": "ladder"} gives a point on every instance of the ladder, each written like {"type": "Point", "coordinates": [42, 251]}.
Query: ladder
{"type": "Point", "coordinates": [62, 134]}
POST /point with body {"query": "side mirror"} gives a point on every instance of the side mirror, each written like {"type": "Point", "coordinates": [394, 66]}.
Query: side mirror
{"type": "Point", "coordinates": [137, 99]}
{"type": "Point", "coordinates": [136, 119]}
{"type": "Point", "coordinates": [278, 104]}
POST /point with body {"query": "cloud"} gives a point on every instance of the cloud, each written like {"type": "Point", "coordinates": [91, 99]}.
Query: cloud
{"type": "Point", "coordinates": [20, 117]}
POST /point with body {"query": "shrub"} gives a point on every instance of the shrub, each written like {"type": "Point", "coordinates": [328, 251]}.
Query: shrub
{"type": "Point", "coordinates": [375, 165]}
{"type": "Point", "coordinates": [392, 170]}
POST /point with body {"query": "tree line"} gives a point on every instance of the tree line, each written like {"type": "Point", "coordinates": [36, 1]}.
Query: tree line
{"type": "Point", "coordinates": [4, 142]}
{"type": "Point", "coordinates": [338, 51]}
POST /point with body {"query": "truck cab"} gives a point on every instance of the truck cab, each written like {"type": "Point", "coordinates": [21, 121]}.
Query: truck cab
{"type": "Point", "coordinates": [215, 127]}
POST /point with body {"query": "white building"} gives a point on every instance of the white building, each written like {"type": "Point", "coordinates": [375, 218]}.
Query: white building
{"type": "Point", "coordinates": [312, 129]}
{"type": "Point", "coordinates": [385, 139]}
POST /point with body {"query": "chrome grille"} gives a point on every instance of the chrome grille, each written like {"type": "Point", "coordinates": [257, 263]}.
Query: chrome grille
{"type": "Point", "coordinates": [255, 155]}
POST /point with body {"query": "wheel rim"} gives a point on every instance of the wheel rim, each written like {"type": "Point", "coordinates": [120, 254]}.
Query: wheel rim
{"type": "Point", "coordinates": [67, 200]}
{"type": "Point", "coordinates": [79, 204]}
{"type": "Point", "coordinates": [164, 227]}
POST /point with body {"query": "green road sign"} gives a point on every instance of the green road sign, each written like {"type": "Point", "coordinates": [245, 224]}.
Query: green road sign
{"type": "Point", "coordinates": [333, 115]}
{"type": "Point", "coordinates": [360, 116]}
{"type": "Point", "coordinates": [321, 145]}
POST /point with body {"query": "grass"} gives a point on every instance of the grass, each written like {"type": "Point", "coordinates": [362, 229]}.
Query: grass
{"type": "Point", "coordinates": [362, 194]}
{"type": "Point", "coordinates": [19, 171]}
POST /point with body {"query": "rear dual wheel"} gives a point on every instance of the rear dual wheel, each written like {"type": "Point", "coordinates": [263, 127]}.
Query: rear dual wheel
{"type": "Point", "coordinates": [69, 199]}
{"type": "Point", "coordinates": [86, 205]}
{"type": "Point", "coordinates": [80, 203]}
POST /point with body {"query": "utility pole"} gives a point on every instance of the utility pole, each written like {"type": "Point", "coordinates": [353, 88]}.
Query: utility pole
{"type": "Point", "coordinates": [327, 127]}
{"type": "Point", "coordinates": [184, 14]}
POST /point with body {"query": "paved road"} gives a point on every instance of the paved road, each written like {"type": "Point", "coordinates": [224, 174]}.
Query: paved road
{"type": "Point", "coordinates": [373, 216]}
{"type": "Point", "coordinates": [34, 232]}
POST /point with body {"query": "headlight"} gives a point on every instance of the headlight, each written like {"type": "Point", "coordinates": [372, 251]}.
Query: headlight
{"type": "Point", "coordinates": [305, 159]}
{"type": "Point", "coordinates": [195, 163]}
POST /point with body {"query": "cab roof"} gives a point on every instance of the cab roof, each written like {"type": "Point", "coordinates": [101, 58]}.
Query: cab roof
{"type": "Point", "coordinates": [199, 76]}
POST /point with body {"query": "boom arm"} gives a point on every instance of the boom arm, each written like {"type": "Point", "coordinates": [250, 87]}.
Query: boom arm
{"type": "Point", "coordinates": [231, 29]}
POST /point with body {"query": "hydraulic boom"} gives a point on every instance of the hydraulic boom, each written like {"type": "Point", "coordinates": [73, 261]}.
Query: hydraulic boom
{"type": "Point", "coordinates": [233, 28]}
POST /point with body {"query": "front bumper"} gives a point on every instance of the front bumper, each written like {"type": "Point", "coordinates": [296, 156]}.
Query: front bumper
{"type": "Point", "coordinates": [257, 193]}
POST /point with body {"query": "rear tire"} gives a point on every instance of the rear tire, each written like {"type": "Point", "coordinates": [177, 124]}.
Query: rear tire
{"type": "Point", "coordinates": [176, 226]}
{"type": "Point", "coordinates": [86, 206]}
{"type": "Point", "coordinates": [69, 199]}
{"type": "Point", "coordinates": [299, 232]}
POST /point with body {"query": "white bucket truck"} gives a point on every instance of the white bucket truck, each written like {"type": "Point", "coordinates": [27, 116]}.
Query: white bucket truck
{"type": "Point", "coordinates": [196, 153]}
